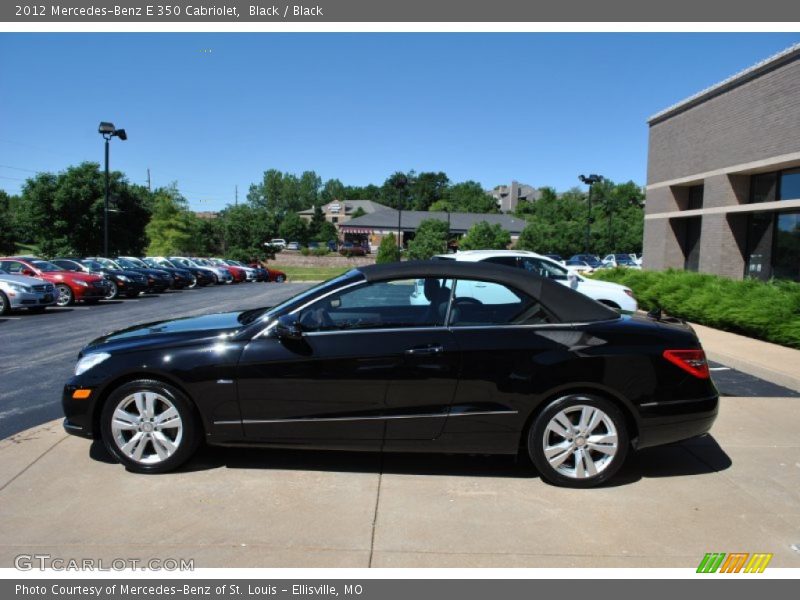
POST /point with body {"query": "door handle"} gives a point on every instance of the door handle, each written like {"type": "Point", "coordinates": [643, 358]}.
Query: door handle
{"type": "Point", "coordinates": [425, 350]}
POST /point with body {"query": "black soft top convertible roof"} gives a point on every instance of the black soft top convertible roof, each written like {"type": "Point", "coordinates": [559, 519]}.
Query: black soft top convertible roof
{"type": "Point", "coordinates": [566, 304]}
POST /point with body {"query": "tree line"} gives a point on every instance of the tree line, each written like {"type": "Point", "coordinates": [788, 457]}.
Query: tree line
{"type": "Point", "coordinates": [62, 214]}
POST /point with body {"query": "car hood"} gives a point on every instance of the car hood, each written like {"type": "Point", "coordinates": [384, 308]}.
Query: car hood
{"type": "Point", "coordinates": [157, 332]}
{"type": "Point", "coordinates": [72, 276]}
{"type": "Point", "coordinates": [21, 279]}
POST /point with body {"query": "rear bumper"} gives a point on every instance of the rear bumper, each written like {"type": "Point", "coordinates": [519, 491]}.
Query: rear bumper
{"type": "Point", "coordinates": [675, 421]}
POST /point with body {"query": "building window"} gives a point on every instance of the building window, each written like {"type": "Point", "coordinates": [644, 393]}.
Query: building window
{"type": "Point", "coordinates": [695, 197]}
{"type": "Point", "coordinates": [790, 185]}
{"type": "Point", "coordinates": [687, 233]}
{"type": "Point", "coordinates": [763, 187]}
{"type": "Point", "coordinates": [760, 233]}
{"type": "Point", "coordinates": [786, 255]}
{"type": "Point", "coordinates": [334, 220]}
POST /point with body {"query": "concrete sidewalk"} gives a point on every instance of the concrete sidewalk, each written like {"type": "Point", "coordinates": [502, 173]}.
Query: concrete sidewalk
{"type": "Point", "coordinates": [777, 364]}
{"type": "Point", "coordinates": [736, 491]}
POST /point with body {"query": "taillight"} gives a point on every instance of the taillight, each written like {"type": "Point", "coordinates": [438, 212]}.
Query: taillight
{"type": "Point", "coordinates": [691, 361]}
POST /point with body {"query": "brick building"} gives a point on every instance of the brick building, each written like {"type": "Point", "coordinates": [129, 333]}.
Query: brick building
{"type": "Point", "coordinates": [723, 176]}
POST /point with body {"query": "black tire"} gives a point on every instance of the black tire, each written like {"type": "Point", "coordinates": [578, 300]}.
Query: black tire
{"type": "Point", "coordinates": [113, 291]}
{"type": "Point", "coordinates": [5, 305]}
{"type": "Point", "coordinates": [280, 279]}
{"type": "Point", "coordinates": [65, 296]}
{"type": "Point", "coordinates": [580, 452]}
{"type": "Point", "coordinates": [187, 442]}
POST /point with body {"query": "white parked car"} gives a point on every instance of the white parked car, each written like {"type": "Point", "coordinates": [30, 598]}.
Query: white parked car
{"type": "Point", "coordinates": [610, 294]}
{"type": "Point", "coordinates": [277, 242]}
{"type": "Point", "coordinates": [621, 260]}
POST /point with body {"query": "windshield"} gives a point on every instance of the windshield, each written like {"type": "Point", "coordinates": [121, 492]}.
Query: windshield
{"type": "Point", "coordinates": [92, 264]}
{"type": "Point", "coordinates": [182, 261]}
{"type": "Point", "coordinates": [108, 263]}
{"type": "Point", "coordinates": [265, 314]}
{"type": "Point", "coordinates": [45, 266]}
{"type": "Point", "coordinates": [135, 262]}
{"type": "Point", "coordinates": [127, 264]}
{"type": "Point", "coordinates": [202, 261]}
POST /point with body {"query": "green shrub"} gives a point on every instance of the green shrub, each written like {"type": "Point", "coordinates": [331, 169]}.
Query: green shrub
{"type": "Point", "coordinates": [388, 251]}
{"type": "Point", "coordinates": [767, 310]}
{"type": "Point", "coordinates": [305, 251]}
{"type": "Point", "coordinates": [321, 251]}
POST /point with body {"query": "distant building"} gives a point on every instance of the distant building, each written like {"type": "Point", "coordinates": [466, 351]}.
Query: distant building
{"type": "Point", "coordinates": [373, 227]}
{"type": "Point", "coordinates": [509, 196]}
{"type": "Point", "coordinates": [723, 176]}
{"type": "Point", "coordinates": [206, 214]}
{"type": "Point", "coordinates": [340, 211]}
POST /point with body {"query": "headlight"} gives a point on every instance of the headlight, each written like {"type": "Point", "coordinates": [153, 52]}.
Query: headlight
{"type": "Point", "coordinates": [123, 278]}
{"type": "Point", "coordinates": [17, 287]}
{"type": "Point", "coordinates": [89, 361]}
{"type": "Point", "coordinates": [83, 283]}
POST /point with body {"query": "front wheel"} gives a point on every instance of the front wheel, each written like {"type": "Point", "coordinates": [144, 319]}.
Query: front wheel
{"type": "Point", "coordinates": [5, 305]}
{"type": "Point", "coordinates": [578, 441]}
{"type": "Point", "coordinates": [149, 426]}
{"type": "Point", "coordinates": [65, 297]}
{"type": "Point", "coordinates": [113, 290]}
{"type": "Point", "coordinates": [280, 279]}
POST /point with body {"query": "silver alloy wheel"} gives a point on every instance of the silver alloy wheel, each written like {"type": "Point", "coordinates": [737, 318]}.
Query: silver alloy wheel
{"type": "Point", "coordinates": [280, 279]}
{"type": "Point", "coordinates": [112, 290]}
{"type": "Point", "coordinates": [64, 295]}
{"type": "Point", "coordinates": [147, 427]}
{"type": "Point", "coordinates": [580, 441]}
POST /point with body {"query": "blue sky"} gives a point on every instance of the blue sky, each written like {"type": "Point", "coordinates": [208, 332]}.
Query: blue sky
{"type": "Point", "coordinates": [539, 108]}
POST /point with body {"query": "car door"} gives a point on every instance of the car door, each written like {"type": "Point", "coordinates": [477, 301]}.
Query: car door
{"type": "Point", "coordinates": [504, 337]}
{"type": "Point", "coordinates": [370, 366]}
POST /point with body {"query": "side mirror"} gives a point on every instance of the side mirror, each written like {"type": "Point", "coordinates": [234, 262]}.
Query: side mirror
{"type": "Point", "coordinates": [288, 328]}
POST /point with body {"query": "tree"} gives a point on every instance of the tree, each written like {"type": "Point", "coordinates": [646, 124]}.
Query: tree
{"type": "Point", "coordinates": [482, 236]}
{"type": "Point", "coordinates": [332, 190]}
{"type": "Point", "coordinates": [359, 212]}
{"type": "Point", "coordinates": [367, 192]}
{"type": "Point", "coordinates": [430, 239]}
{"type": "Point", "coordinates": [315, 226]}
{"type": "Point", "coordinates": [395, 191]}
{"type": "Point", "coordinates": [293, 228]}
{"type": "Point", "coordinates": [173, 228]}
{"type": "Point", "coordinates": [427, 188]}
{"type": "Point", "coordinates": [388, 251]}
{"type": "Point", "coordinates": [327, 232]}
{"type": "Point", "coordinates": [63, 213]}
{"type": "Point", "coordinates": [308, 189]}
{"type": "Point", "coordinates": [7, 234]}
{"type": "Point", "coordinates": [467, 196]}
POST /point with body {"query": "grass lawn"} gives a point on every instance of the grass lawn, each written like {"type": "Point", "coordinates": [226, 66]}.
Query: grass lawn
{"type": "Point", "coordinates": [295, 273]}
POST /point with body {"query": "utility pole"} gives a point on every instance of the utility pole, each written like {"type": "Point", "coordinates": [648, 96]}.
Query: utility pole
{"type": "Point", "coordinates": [590, 181]}
{"type": "Point", "coordinates": [148, 180]}
{"type": "Point", "coordinates": [236, 191]}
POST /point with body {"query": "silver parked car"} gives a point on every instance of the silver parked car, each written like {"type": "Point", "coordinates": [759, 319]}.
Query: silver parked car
{"type": "Point", "coordinates": [20, 291]}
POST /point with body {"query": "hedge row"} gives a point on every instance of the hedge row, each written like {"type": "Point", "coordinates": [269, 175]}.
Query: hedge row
{"type": "Point", "coordinates": [767, 310]}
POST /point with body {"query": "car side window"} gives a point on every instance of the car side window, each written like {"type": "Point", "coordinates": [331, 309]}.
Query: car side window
{"type": "Point", "coordinates": [509, 261]}
{"type": "Point", "coordinates": [543, 268]}
{"type": "Point", "coordinates": [487, 303]}
{"type": "Point", "coordinates": [13, 267]}
{"type": "Point", "coordinates": [381, 305]}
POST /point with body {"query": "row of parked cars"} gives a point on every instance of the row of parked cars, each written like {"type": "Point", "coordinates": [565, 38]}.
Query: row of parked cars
{"type": "Point", "coordinates": [589, 263]}
{"type": "Point", "coordinates": [33, 283]}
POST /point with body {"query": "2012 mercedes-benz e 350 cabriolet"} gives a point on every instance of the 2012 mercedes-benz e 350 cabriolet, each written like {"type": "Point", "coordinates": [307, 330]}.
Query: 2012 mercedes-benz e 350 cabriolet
{"type": "Point", "coordinates": [493, 360]}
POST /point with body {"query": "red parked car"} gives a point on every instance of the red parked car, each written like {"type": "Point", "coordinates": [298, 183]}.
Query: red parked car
{"type": "Point", "coordinates": [71, 286]}
{"type": "Point", "coordinates": [275, 275]}
{"type": "Point", "coordinates": [239, 274]}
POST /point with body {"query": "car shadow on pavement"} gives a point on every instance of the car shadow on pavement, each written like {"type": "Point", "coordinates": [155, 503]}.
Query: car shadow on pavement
{"type": "Point", "coordinates": [699, 456]}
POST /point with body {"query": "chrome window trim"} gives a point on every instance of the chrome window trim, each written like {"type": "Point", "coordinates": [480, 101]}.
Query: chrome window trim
{"type": "Point", "coordinates": [369, 418]}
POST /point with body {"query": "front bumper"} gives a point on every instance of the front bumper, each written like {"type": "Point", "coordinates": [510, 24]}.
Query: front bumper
{"type": "Point", "coordinates": [31, 299]}
{"type": "Point", "coordinates": [91, 292]}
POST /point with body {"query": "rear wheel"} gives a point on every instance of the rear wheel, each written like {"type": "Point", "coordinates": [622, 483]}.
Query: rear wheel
{"type": "Point", "coordinates": [280, 278]}
{"type": "Point", "coordinates": [65, 297]}
{"type": "Point", "coordinates": [578, 441]}
{"type": "Point", "coordinates": [5, 306]}
{"type": "Point", "coordinates": [149, 426]}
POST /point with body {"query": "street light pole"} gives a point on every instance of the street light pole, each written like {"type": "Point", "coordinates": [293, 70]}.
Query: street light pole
{"type": "Point", "coordinates": [107, 130]}
{"type": "Point", "coordinates": [105, 207]}
{"type": "Point", "coordinates": [590, 181]}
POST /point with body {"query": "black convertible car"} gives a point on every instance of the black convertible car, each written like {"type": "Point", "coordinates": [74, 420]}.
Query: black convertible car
{"type": "Point", "coordinates": [416, 356]}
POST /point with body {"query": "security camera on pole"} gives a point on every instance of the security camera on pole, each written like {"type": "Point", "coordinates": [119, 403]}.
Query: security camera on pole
{"type": "Point", "coordinates": [590, 181]}
{"type": "Point", "coordinates": [107, 130]}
